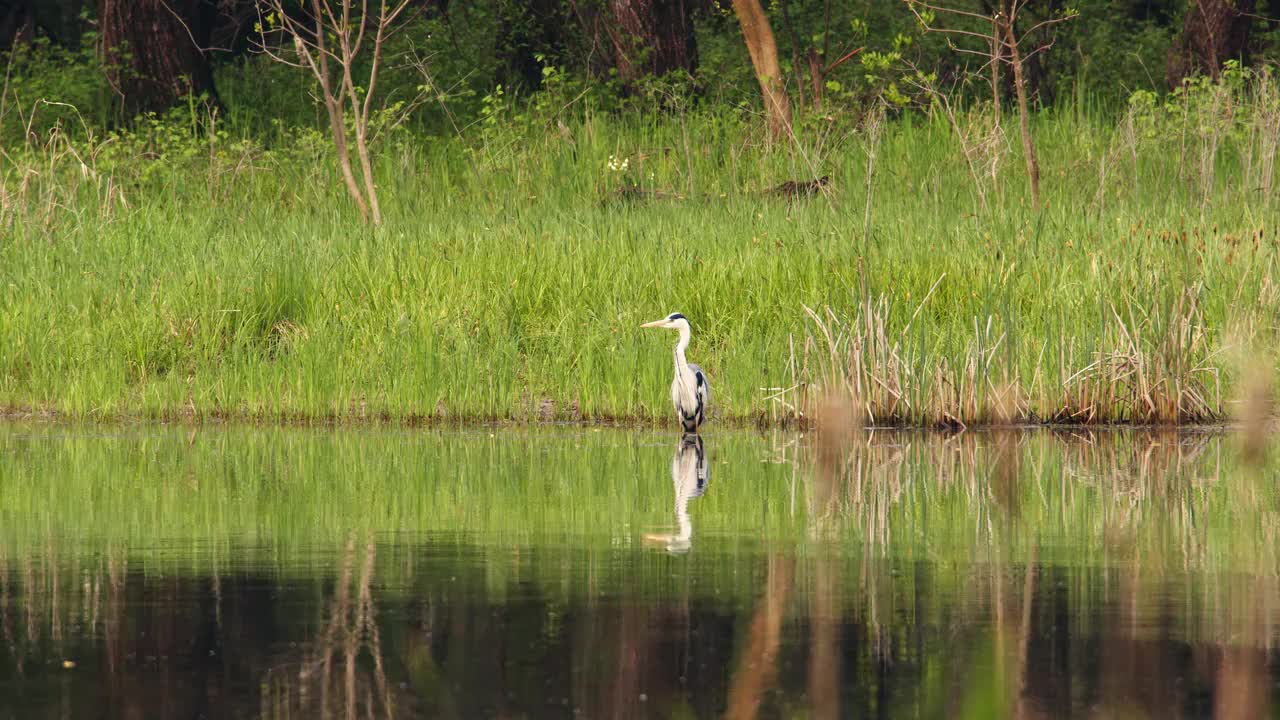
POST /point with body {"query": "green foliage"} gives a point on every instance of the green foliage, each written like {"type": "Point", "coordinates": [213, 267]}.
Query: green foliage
{"type": "Point", "coordinates": [439, 70]}
{"type": "Point", "coordinates": [50, 85]}
{"type": "Point", "coordinates": [1207, 122]}
{"type": "Point", "coordinates": [1104, 54]}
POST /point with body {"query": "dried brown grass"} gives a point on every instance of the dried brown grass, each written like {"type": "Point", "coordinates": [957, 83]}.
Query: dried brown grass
{"type": "Point", "coordinates": [1151, 365]}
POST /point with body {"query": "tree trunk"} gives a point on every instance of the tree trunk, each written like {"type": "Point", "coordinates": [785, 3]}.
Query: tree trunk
{"type": "Point", "coordinates": [232, 29]}
{"type": "Point", "coordinates": [1214, 32]}
{"type": "Point", "coordinates": [652, 37]}
{"type": "Point", "coordinates": [154, 51]}
{"type": "Point", "coordinates": [1028, 143]}
{"type": "Point", "coordinates": [17, 24]}
{"type": "Point", "coordinates": [22, 21]}
{"type": "Point", "coordinates": [527, 29]}
{"type": "Point", "coordinates": [816, 75]}
{"type": "Point", "coordinates": [764, 58]}
{"type": "Point", "coordinates": [757, 668]}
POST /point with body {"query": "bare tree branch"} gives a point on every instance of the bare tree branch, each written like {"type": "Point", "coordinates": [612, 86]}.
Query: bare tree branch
{"type": "Point", "coordinates": [1001, 45]}
{"type": "Point", "coordinates": [843, 59]}
{"type": "Point", "coordinates": [956, 31]}
{"type": "Point", "coordinates": [364, 15]}
{"type": "Point", "coordinates": [966, 51]}
{"type": "Point", "coordinates": [1038, 50]}
{"type": "Point", "coordinates": [187, 28]}
{"type": "Point", "coordinates": [911, 4]}
{"type": "Point", "coordinates": [1044, 24]}
{"type": "Point", "coordinates": [327, 43]}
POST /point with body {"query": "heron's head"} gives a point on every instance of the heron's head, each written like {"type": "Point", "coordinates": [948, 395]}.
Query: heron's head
{"type": "Point", "coordinates": [674, 321]}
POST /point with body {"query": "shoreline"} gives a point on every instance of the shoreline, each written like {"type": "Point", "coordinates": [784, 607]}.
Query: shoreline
{"type": "Point", "coordinates": [387, 421]}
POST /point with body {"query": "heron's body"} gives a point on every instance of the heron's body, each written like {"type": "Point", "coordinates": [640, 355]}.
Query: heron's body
{"type": "Point", "coordinates": [690, 392]}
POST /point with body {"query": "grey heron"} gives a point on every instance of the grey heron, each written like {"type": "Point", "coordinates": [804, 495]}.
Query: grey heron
{"type": "Point", "coordinates": [690, 392]}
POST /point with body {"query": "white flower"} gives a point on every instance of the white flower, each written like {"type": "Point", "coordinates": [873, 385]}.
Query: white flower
{"type": "Point", "coordinates": [619, 165]}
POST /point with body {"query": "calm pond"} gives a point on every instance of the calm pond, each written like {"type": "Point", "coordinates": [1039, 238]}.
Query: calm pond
{"type": "Point", "coordinates": [152, 572]}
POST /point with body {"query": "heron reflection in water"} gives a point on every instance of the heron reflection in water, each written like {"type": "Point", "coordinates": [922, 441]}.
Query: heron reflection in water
{"type": "Point", "coordinates": [690, 475]}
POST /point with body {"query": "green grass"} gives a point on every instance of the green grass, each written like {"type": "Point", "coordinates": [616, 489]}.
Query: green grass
{"type": "Point", "coordinates": [223, 278]}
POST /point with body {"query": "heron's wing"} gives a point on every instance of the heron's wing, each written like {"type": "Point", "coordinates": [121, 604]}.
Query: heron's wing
{"type": "Point", "coordinates": [704, 388]}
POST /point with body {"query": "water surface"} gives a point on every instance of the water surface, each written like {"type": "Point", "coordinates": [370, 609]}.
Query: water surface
{"type": "Point", "coordinates": [283, 573]}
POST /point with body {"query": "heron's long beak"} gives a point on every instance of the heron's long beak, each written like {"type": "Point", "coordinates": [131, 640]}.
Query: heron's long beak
{"type": "Point", "coordinates": [655, 323]}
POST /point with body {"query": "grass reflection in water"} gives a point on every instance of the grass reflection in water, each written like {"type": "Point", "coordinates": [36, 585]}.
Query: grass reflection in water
{"type": "Point", "coordinates": [290, 573]}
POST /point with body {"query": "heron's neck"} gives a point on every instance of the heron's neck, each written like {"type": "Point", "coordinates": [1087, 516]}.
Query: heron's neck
{"type": "Point", "coordinates": [681, 363]}
{"type": "Point", "coordinates": [682, 516]}
{"type": "Point", "coordinates": [684, 523]}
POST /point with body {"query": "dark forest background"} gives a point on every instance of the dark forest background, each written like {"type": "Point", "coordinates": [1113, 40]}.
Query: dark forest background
{"type": "Point", "coordinates": [104, 62]}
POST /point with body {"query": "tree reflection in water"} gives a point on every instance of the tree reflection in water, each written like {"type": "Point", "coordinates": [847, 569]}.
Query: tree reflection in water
{"type": "Point", "coordinates": [329, 681]}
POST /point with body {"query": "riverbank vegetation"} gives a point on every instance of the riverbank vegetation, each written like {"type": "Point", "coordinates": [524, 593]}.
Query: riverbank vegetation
{"type": "Point", "coordinates": [206, 261]}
